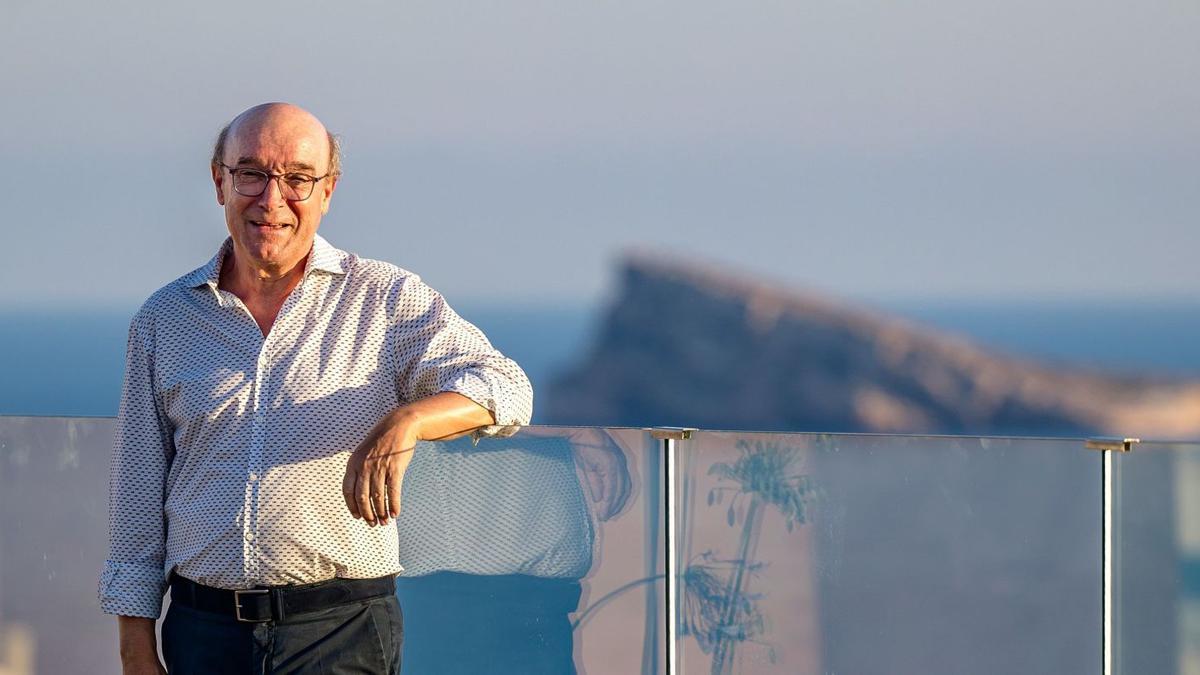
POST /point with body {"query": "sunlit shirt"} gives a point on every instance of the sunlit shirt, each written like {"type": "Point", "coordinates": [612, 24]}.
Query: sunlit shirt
{"type": "Point", "coordinates": [230, 446]}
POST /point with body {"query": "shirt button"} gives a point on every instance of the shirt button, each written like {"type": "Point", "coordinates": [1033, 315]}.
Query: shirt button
{"type": "Point", "coordinates": [249, 536]}
{"type": "Point", "coordinates": [253, 476]}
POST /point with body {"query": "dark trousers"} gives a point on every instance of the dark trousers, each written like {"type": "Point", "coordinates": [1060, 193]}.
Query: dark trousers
{"type": "Point", "coordinates": [362, 637]}
{"type": "Point", "coordinates": [465, 624]}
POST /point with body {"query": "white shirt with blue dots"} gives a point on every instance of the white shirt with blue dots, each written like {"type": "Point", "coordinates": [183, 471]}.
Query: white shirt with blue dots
{"type": "Point", "coordinates": [230, 446]}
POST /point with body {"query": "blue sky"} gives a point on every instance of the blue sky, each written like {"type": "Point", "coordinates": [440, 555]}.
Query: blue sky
{"type": "Point", "coordinates": [510, 152]}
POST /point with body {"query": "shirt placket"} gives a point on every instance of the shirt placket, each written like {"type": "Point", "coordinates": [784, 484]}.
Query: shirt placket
{"type": "Point", "coordinates": [254, 453]}
{"type": "Point", "coordinates": [257, 460]}
{"type": "Point", "coordinates": [254, 464]}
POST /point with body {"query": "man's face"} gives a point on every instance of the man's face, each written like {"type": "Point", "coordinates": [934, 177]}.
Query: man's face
{"type": "Point", "coordinates": [272, 233]}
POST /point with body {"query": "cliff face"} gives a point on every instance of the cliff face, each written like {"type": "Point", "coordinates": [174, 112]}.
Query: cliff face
{"type": "Point", "coordinates": [688, 347]}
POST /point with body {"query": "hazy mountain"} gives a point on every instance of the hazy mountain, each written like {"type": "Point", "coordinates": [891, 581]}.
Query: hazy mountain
{"type": "Point", "coordinates": [689, 346]}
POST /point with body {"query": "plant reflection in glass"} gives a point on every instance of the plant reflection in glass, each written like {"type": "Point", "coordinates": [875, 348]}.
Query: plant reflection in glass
{"type": "Point", "coordinates": [718, 608]}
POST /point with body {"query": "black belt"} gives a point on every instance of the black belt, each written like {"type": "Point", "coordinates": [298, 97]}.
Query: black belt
{"type": "Point", "coordinates": [274, 603]}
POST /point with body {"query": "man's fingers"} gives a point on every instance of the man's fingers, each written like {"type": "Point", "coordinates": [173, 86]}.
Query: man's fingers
{"type": "Point", "coordinates": [379, 494]}
{"type": "Point", "coordinates": [372, 484]}
{"type": "Point", "coordinates": [348, 483]}
{"type": "Point", "coordinates": [393, 495]}
{"type": "Point", "coordinates": [362, 497]}
{"type": "Point", "coordinates": [395, 479]}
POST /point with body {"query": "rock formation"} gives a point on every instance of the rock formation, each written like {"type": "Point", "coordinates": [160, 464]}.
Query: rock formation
{"type": "Point", "coordinates": [684, 345]}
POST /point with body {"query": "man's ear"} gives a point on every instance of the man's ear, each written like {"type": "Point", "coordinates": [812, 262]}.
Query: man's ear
{"type": "Point", "coordinates": [218, 176]}
{"type": "Point", "coordinates": [330, 184]}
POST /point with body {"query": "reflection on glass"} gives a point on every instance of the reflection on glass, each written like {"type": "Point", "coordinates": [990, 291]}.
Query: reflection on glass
{"type": "Point", "coordinates": [501, 541]}
{"type": "Point", "coordinates": [719, 608]}
{"type": "Point", "coordinates": [806, 553]}
{"type": "Point", "coordinates": [745, 502]}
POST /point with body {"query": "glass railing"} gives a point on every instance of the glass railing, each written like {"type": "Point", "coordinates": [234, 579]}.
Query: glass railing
{"type": "Point", "coordinates": [1155, 530]}
{"type": "Point", "coordinates": [540, 552]}
{"type": "Point", "coordinates": [668, 551]}
{"type": "Point", "coordinates": [53, 534]}
{"type": "Point", "coordinates": [804, 553]}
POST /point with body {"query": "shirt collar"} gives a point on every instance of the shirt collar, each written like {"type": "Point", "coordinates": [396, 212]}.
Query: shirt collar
{"type": "Point", "coordinates": [323, 257]}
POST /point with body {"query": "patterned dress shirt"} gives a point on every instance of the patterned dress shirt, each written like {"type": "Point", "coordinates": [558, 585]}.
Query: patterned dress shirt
{"type": "Point", "coordinates": [230, 446]}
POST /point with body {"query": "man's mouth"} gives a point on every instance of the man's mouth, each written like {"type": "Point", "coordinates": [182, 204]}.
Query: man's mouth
{"type": "Point", "coordinates": [268, 226]}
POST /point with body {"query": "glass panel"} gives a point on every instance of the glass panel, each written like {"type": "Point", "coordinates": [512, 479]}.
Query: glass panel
{"type": "Point", "coordinates": [542, 552]}
{"type": "Point", "coordinates": [1156, 577]}
{"type": "Point", "coordinates": [874, 554]}
{"type": "Point", "coordinates": [53, 540]}
{"type": "Point", "coordinates": [545, 545]}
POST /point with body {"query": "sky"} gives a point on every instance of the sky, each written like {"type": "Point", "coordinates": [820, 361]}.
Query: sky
{"type": "Point", "coordinates": [512, 152]}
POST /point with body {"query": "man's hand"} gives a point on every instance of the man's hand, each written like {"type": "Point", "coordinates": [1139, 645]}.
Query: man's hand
{"type": "Point", "coordinates": [139, 647]}
{"type": "Point", "coordinates": [375, 471]}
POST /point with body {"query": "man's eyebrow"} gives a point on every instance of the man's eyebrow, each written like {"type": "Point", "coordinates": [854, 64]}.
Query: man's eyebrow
{"type": "Point", "coordinates": [294, 166]}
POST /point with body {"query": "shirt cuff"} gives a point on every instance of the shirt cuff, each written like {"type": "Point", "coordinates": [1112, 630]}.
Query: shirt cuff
{"type": "Point", "coordinates": [132, 589]}
{"type": "Point", "coordinates": [509, 419]}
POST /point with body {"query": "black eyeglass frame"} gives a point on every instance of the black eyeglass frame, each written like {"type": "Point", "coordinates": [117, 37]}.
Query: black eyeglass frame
{"type": "Point", "coordinates": [311, 180]}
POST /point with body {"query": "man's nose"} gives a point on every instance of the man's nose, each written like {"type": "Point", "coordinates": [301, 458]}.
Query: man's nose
{"type": "Point", "coordinates": [272, 195]}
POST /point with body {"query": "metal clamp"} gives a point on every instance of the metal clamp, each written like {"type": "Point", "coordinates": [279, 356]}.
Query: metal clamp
{"type": "Point", "coordinates": [1113, 443]}
{"type": "Point", "coordinates": [671, 433]}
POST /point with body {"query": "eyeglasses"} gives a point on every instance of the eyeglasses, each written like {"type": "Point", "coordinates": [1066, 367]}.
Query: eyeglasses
{"type": "Point", "coordinates": [293, 186]}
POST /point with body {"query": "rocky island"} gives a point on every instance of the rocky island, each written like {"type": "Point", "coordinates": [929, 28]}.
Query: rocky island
{"type": "Point", "coordinates": [684, 345]}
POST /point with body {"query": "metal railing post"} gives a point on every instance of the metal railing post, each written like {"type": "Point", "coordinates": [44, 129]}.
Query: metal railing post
{"type": "Point", "coordinates": [670, 437]}
{"type": "Point", "coordinates": [1110, 553]}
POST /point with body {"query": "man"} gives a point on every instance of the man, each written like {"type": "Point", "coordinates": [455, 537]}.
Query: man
{"type": "Point", "coordinates": [272, 399]}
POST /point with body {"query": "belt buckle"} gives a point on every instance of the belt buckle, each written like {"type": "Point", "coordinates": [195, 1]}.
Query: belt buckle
{"type": "Point", "coordinates": [237, 603]}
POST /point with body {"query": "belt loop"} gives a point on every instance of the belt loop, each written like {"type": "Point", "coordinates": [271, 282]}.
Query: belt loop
{"type": "Point", "coordinates": [277, 604]}
{"type": "Point", "coordinates": [186, 585]}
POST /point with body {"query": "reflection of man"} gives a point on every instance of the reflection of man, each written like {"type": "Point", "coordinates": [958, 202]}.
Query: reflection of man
{"type": "Point", "coordinates": [495, 539]}
{"type": "Point", "coordinates": [271, 401]}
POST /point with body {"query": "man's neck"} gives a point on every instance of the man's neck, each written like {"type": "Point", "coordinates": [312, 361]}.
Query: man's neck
{"type": "Point", "coordinates": [241, 276]}
{"type": "Point", "coordinates": [262, 290]}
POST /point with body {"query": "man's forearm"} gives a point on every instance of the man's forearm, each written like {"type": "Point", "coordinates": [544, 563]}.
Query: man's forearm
{"type": "Point", "coordinates": [138, 645]}
{"type": "Point", "coordinates": [441, 417]}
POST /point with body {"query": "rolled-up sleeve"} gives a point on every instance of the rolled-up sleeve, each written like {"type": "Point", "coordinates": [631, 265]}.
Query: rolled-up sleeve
{"type": "Point", "coordinates": [133, 582]}
{"type": "Point", "coordinates": [435, 350]}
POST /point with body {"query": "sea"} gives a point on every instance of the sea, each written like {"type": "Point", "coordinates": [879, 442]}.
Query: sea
{"type": "Point", "coordinates": [70, 362]}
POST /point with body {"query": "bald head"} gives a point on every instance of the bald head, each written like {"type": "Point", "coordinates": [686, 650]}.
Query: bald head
{"type": "Point", "coordinates": [283, 118]}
